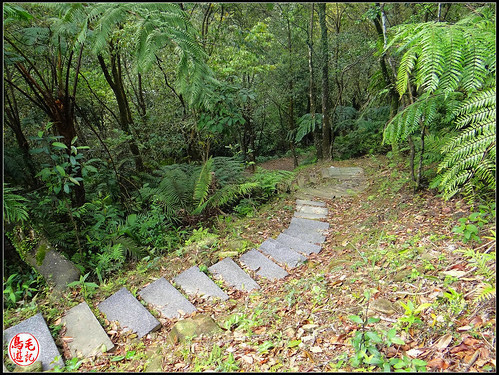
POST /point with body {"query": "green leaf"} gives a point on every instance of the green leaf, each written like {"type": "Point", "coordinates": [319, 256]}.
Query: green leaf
{"type": "Point", "coordinates": [373, 336]}
{"type": "Point", "coordinates": [373, 320]}
{"type": "Point", "coordinates": [74, 181]}
{"type": "Point", "coordinates": [117, 358]}
{"type": "Point", "coordinates": [397, 340]}
{"type": "Point", "coordinates": [294, 343]}
{"type": "Point", "coordinates": [61, 170]}
{"type": "Point", "coordinates": [355, 319]}
{"type": "Point", "coordinates": [66, 188]}
{"type": "Point", "coordinates": [59, 145]}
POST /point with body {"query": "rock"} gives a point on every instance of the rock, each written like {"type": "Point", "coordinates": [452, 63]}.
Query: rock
{"type": "Point", "coordinates": [399, 276]}
{"type": "Point", "coordinates": [235, 245]}
{"type": "Point", "coordinates": [154, 361]}
{"type": "Point", "coordinates": [198, 325]}
{"type": "Point", "coordinates": [35, 367]}
{"type": "Point", "coordinates": [53, 266]}
{"type": "Point", "coordinates": [383, 306]}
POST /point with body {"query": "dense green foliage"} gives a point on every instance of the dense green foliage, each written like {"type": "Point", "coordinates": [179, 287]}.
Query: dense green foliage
{"type": "Point", "coordinates": [129, 124]}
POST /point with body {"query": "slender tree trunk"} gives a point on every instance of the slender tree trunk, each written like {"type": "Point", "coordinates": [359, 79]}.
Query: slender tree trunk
{"type": "Point", "coordinates": [311, 87]}
{"type": "Point", "coordinates": [388, 78]}
{"type": "Point", "coordinates": [115, 81]}
{"type": "Point", "coordinates": [420, 166]}
{"type": "Point", "coordinates": [291, 108]}
{"type": "Point", "coordinates": [326, 125]}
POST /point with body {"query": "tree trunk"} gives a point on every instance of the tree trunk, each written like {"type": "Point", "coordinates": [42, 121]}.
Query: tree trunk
{"type": "Point", "coordinates": [326, 125]}
{"type": "Point", "coordinates": [389, 81]}
{"type": "Point", "coordinates": [115, 81]}
{"type": "Point", "coordinates": [311, 86]}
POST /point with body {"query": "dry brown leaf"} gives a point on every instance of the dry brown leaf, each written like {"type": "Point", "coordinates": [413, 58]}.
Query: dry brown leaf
{"type": "Point", "coordinates": [439, 363]}
{"type": "Point", "coordinates": [443, 342]}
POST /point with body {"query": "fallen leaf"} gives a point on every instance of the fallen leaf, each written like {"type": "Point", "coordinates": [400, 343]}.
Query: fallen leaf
{"type": "Point", "coordinates": [454, 273]}
{"type": "Point", "coordinates": [316, 349]}
{"type": "Point", "coordinates": [464, 328]}
{"type": "Point", "coordinates": [248, 359]}
{"type": "Point", "coordinates": [413, 353]}
{"type": "Point", "coordinates": [439, 363]}
{"type": "Point", "coordinates": [443, 342]}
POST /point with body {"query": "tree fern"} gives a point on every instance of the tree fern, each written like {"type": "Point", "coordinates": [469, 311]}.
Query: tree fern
{"type": "Point", "coordinates": [447, 63]}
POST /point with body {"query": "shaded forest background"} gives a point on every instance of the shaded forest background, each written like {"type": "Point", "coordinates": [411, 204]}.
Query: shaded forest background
{"type": "Point", "coordinates": [126, 125]}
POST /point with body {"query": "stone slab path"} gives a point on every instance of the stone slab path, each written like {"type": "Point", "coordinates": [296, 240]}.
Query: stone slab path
{"type": "Point", "coordinates": [310, 236]}
{"type": "Point", "coordinates": [233, 275]}
{"type": "Point", "coordinates": [307, 224]}
{"type": "Point", "coordinates": [263, 266]}
{"type": "Point", "coordinates": [89, 338]}
{"type": "Point", "coordinates": [166, 299]}
{"type": "Point", "coordinates": [297, 244]}
{"type": "Point", "coordinates": [291, 248]}
{"type": "Point", "coordinates": [38, 328]}
{"type": "Point", "coordinates": [124, 308]}
{"type": "Point", "coordinates": [195, 282]}
{"type": "Point", "coordinates": [282, 253]}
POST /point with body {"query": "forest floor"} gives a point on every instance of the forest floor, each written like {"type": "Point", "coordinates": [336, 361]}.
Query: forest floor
{"type": "Point", "coordinates": [389, 288]}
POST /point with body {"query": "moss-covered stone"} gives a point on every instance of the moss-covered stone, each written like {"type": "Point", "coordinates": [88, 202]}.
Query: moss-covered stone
{"type": "Point", "coordinates": [198, 325]}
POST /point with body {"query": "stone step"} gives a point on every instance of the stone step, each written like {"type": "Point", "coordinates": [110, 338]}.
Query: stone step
{"type": "Point", "coordinates": [309, 235]}
{"type": "Point", "coordinates": [307, 224]}
{"type": "Point", "coordinates": [303, 215]}
{"type": "Point", "coordinates": [193, 281]}
{"type": "Point", "coordinates": [263, 266]}
{"type": "Point", "coordinates": [297, 244]}
{"type": "Point", "coordinates": [124, 308]}
{"type": "Point", "coordinates": [281, 253]}
{"type": "Point", "coordinates": [89, 338]}
{"type": "Point", "coordinates": [166, 299]}
{"type": "Point", "coordinates": [37, 327]}
{"type": "Point", "coordinates": [305, 202]}
{"type": "Point", "coordinates": [233, 275]}
{"type": "Point", "coordinates": [312, 210]}
{"type": "Point", "coordinates": [342, 172]}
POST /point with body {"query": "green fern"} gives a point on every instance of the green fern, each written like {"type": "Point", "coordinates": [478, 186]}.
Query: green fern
{"type": "Point", "coordinates": [14, 209]}
{"type": "Point", "coordinates": [454, 68]}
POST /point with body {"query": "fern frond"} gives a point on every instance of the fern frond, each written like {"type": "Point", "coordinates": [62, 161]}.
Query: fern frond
{"type": "Point", "coordinates": [203, 182]}
{"type": "Point", "coordinates": [484, 292]}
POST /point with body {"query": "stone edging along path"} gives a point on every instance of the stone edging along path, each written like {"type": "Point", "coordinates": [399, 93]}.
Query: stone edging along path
{"type": "Point", "coordinates": [289, 250]}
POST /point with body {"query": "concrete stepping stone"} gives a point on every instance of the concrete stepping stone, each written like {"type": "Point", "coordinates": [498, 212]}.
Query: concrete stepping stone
{"type": "Point", "coordinates": [263, 266]}
{"type": "Point", "coordinates": [309, 235]}
{"type": "Point", "coordinates": [342, 172]}
{"type": "Point", "coordinates": [304, 215]}
{"type": "Point", "coordinates": [89, 338]}
{"type": "Point", "coordinates": [124, 308]}
{"type": "Point", "coordinates": [282, 253]}
{"type": "Point", "coordinates": [297, 244]}
{"type": "Point", "coordinates": [307, 224]}
{"type": "Point", "coordinates": [305, 202]}
{"type": "Point", "coordinates": [37, 326]}
{"type": "Point", "coordinates": [193, 281]}
{"type": "Point", "coordinates": [166, 299]}
{"type": "Point", "coordinates": [233, 275]}
{"type": "Point", "coordinates": [312, 210]}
